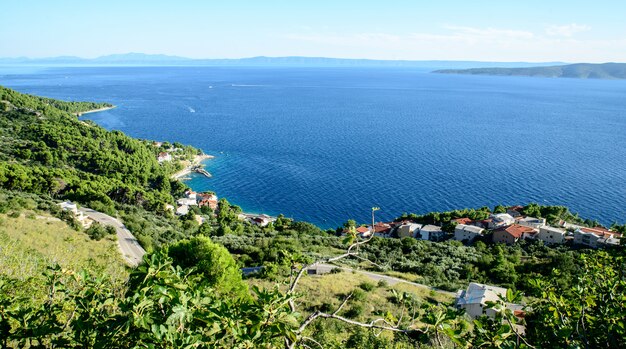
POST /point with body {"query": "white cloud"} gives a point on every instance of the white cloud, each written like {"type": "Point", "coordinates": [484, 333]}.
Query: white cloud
{"type": "Point", "coordinates": [567, 30]}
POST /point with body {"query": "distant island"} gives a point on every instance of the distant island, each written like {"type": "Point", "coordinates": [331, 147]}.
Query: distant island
{"type": "Point", "coordinates": [578, 71]}
{"type": "Point", "coordinates": [142, 59]}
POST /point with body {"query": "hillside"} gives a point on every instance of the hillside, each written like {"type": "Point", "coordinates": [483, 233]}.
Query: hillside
{"type": "Point", "coordinates": [45, 148]}
{"type": "Point", "coordinates": [577, 71]}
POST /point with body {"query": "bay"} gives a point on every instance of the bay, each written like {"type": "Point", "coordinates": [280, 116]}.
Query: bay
{"type": "Point", "coordinates": [326, 144]}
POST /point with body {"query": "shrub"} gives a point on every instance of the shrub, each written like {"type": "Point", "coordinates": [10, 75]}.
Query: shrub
{"type": "Point", "coordinates": [367, 286]}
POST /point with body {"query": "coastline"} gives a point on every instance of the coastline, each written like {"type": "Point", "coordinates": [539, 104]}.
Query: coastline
{"type": "Point", "coordinates": [93, 111]}
{"type": "Point", "coordinates": [189, 168]}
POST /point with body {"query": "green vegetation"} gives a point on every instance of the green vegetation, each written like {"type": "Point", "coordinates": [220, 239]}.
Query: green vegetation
{"type": "Point", "coordinates": [64, 287]}
{"type": "Point", "coordinates": [580, 71]}
{"type": "Point", "coordinates": [45, 150]}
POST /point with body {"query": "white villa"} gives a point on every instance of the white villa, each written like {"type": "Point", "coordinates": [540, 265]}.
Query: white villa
{"type": "Point", "coordinates": [408, 230]}
{"type": "Point", "coordinates": [551, 235]}
{"type": "Point", "coordinates": [499, 220]}
{"type": "Point", "coordinates": [474, 300]}
{"type": "Point", "coordinates": [182, 210]}
{"type": "Point", "coordinates": [430, 232]}
{"type": "Point", "coordinates": [596, 237]}
{"type": "Point", "coordinates": [187, 202]}
{"type": "Point", "coordinates": [468, 233]}
{"type": "Point", "coordinates": [532, 222]}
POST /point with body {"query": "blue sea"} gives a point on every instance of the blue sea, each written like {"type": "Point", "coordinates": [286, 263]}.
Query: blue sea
{"type": "Point", "coordinates": [326, 144]}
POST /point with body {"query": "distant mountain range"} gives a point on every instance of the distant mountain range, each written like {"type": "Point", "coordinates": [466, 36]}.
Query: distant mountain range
{"type": "Point", "coordinates": [580, 71]}
{"type": "Point", "coordinates": [165, 60]}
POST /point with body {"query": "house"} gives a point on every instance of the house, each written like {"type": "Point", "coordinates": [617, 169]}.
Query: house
{"type": "Point", "coordinates": [463, 220]}
{"type": "Point", "coordinates": [182, 210]}
{"type": "Point", "coordinates": [430, 232]}
{"type": "Point", "coordinates": [199, 219]}
{"type": "Point", "coordinates": [169, 207]}
{"type": "Point", "coordinates": [78, 215]}
{"type": "Point", "coordinates": [187, 202]}
{"type": "Point", "coordinates": [467, 233]}
{"type": "Point", "coordinates": [190, 194]}
{"type": "Point", "coordinates": [551, 235]}
{"type": "Point", "coordinates": [512, 233]}
{"type": "Point", "coordinates": [206, 196]}
{"type": "Point", "coordinates": [596, 237]}
{"type": "Point", "coordinates": [69, 206]}
{"type": "Point", "coordinates": [408, 230]}
{"type": "Point", "coordinates": [499, 220]}
{"type": "Point", "coordinates": [531, 222]}
{"type": "Point", "coordinates": [212, 204]}
{"type": "Point", "coordinates": [382, 229]}
{"type": "Point", "coordinates": [364, 231]}
{"type": "Point", "coordinates": [261, 220]}
{"type": "Point", "coordinates": [474, 300]}
{"type": "Point", "coordinates": [163, 156]}
{"type": "Point", "coordinates": [483, 223]}
{"type": "Point", "coordinates": [515, 211]}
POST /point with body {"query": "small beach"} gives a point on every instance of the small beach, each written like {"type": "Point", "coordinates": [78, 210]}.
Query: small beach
{"type": "Point", "coordinates": [93, 111]}
{"type": "Point", "coordinates": [197, 161]}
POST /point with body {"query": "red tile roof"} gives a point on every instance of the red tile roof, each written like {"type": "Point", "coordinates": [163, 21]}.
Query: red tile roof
{"type": "Point", "coordinates": [381, 227]}
{"type": "Point", "coordinates": [519, 313]}
{"type": "Point", "coordinates": [362, 230]}
{"type": "Point", "coordinates": [516, 230]}
{"type": "Point", "coordinates": [463, 220]}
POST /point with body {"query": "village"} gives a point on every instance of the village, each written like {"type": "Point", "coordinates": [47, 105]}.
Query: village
{"type": "Point", "coordinates": [508, 228]}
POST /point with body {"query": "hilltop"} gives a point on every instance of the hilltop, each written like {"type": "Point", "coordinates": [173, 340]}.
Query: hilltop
{"type": "Point", "coordinates": [578, 71]}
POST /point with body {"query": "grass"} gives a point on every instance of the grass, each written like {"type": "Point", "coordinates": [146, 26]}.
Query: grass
{"type": "Point", "coordinates": [32, 241]}
{"type": "Point", "coordinates": [326, 292]}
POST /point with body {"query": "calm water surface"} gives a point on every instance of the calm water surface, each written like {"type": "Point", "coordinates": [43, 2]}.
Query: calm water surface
{"type": "Point", "coordinates": [324, 145]}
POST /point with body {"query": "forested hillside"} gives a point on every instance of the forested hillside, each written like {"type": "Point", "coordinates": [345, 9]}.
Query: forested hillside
{"type": "Point", "coordinates": [45, 149]}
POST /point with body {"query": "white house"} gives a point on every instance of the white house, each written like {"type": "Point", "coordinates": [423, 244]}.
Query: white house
{"type": "Point", "coordinates": [532, 222]}
{"type": "Point", "coordinates": [191, 195]}
{"type": "Point", "coordinates": [182, 210]}
{"type": "Point", "coordinates": [499, 220]}
{"type": "Point", "coordinates": [474, 299]}
{"type": "Point", "coordinates": [596, 237]}
{"type": "Point", "coordinates": [408, 230]}
{"type": "Point", "coordinates": [163, 156]}
{"type": "Point", "coordinates": [551, 235]}
{"type": "Point", "coordinates": [430, 232]}
{"type": "Point", "coordinates": [364, 231]}
{"type": "Point", "coordinates": [468, 233]}
{"type": "Point", "coordinates": [69, 206]}
{"type": "Point", "coordinates": [85, 221]}
{"type": "Point", "coordinates": [187, 202]}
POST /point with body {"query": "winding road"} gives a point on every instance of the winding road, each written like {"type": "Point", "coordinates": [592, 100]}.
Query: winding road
{"type": "Point", "coordinates": [128, 244]}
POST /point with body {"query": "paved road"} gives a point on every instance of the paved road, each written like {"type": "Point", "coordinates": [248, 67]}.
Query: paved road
{"type": "Point", "coordinates": [128, 244]}
{"type": "Point", "coordinates": [326, 268]}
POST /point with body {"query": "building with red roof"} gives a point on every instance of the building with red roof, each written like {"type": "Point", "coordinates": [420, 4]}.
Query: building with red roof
{"type": "Point", "coordinates": [512, 233]}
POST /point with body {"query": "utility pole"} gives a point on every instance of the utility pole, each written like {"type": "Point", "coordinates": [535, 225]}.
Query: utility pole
{"type": "Point", "coordinates": [374, 209]}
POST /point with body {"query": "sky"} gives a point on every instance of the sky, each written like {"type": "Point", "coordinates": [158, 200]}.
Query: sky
{"type": "Point", "coordinates": [494, 30]}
